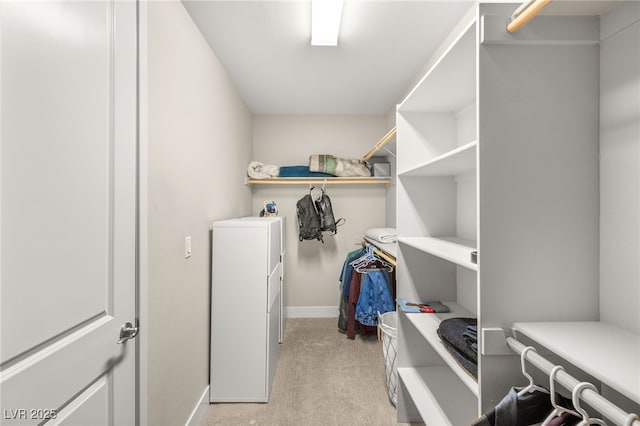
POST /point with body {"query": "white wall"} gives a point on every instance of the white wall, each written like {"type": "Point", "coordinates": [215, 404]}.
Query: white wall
{"type": "Point", "coordinates": [620, 167]}
{"type": "Point", "coordinates": [196, 143]}
{"type": "Point", "coordinates": [313, 268]}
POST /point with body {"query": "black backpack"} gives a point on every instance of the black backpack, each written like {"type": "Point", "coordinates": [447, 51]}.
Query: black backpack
{"type": "Point", "coordinates": [327, 221]}
{"type": "Point", "coordinates": [309, 226]}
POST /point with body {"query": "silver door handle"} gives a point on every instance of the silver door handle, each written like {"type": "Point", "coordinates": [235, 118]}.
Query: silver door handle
{"type": "Point", "coordinates": [127, 331]}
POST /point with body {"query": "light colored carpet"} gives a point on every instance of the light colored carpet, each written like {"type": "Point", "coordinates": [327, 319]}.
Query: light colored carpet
{"type": "Point", "coordinates": [322, 379]}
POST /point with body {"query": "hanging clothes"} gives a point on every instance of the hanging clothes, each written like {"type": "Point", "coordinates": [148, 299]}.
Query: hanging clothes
{"type": "Point", "coordinates": [531, 408]}
{"type": "Point", "coordinates": [375, 298]}
{"type": "Point", "coordinates": [346, 275]}
{"type": "Point", "coordinates": [353, 327]}
{"type": "Point", "coordinates": [376, 291]}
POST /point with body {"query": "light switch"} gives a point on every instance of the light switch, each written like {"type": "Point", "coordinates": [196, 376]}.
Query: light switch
{"type": "Point", "coordinates": [187, 246]}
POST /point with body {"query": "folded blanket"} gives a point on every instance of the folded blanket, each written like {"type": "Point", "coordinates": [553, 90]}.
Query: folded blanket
{"type": "Point", "coordinates": [383, 235]}
{"type": "Point", "coordinates": [451, 331]}
{"type": "Point", "coordinates": [342, 167]}
{"type": "Point", "coordinates": [257, 170]}
{"type": "Point", "coordinates": [300, 171]}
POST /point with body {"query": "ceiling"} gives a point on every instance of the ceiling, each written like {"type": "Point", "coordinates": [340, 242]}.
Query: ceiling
{"type": "Point", "coordinates": [382, 49]}
{"type": "Point", "coordinates": [383, 45]}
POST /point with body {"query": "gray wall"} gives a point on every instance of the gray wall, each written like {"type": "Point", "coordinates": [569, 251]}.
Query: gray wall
{"type": "Point", "coordinates": [620, 167]}
{"type": "Point", "coordinates": [312, 269]}
{"type": "Point", "coordinates": [197, 144]}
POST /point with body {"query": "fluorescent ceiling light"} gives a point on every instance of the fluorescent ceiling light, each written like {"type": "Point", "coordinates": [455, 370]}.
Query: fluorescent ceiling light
{"type": "Point", "coordinates": [325, 22]}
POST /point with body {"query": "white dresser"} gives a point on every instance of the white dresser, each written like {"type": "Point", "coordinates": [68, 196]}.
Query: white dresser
{"type": "Point", "coordinates": [246, 307]}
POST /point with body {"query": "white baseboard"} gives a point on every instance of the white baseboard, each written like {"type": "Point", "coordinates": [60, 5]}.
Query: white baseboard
{"type": "Point", "coordinates": [200, 410]}
{"type": "Point", "coordinates": [311, 312]}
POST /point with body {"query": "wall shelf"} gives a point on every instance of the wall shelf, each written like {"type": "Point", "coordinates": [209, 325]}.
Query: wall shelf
{"type": "Point", "coordinates": [606, 352]}
{"type": "Point", "coordinates": [456, 250]}
{"type": "Point", "coordinates": [427, 325]}
{"type": "Point", "coordinates": [455, 162]}
{"type": "Point", "coordinates": [425, 387]}
{"type": "Point", "coordinates": [321, 181]}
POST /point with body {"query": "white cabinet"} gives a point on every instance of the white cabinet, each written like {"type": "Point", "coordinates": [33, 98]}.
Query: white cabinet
{"type": "Point", "coordinates": [246, 309]}
{"type": "Point", "coordinates": [497, 151]}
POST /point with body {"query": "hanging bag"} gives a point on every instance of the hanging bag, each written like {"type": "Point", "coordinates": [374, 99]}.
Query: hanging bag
{"type": "Point", "coordinates": [327, 220]}
{"type": "Point", "coordinates": [309, 222]}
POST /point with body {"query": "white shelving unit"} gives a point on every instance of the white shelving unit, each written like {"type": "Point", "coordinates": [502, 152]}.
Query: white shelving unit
{"type": "Point", "coordinates": [498, 152]}
{"type": "Point", "coordinates": [427, 326]}
{"type": "Point", "coordinates": [451, 404]}
{"type": "Point", "coordinates": [458, 161]}
{"type": "Point", "coordinates": [606, 352]}
{"type": "Point", "coordinates": [437, 213]}
{"type": "Point", "coordinates": [453, 249]}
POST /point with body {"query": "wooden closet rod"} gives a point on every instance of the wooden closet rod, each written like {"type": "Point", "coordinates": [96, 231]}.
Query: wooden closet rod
{"type": "Point", "coordinates": [594, 399]}
{"type": "Point", "coordinates": [385, 256]}
{"type": "Point", "coordinates": [534, 8]}
{"type": "Point", "coordinates": [382, 254]}
{"type": "Point", "coordinates": [382, 142]}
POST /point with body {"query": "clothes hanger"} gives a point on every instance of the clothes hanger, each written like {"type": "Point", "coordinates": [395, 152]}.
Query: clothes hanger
{"type": "Point", "coordinates": [575, 398]}
{"type": "Point", "coordinates": [557, 409]}
{"type": "Point", "coordinates": [531, 387]}
{"type": "Point", "coordinates": [313, 197]}
{"type": "Point", "coordinates": [632, 417]}
{"type": "Point", "coordinates": [386, 266]}
{"type": "Point", "coordinates": [367, 257]}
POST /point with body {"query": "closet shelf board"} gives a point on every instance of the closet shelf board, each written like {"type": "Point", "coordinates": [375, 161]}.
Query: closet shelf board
{"type": "Point", "coordinates": [427, 325]}
{"type": "Point", "coordinates": [608, 353]}
{"type": "Point", "coordinates": [450, 83]}
{"type": "Point", "coordinates": [453, 249]}
{"type": "Point", "coordinates": [439, 397]}
{"type": "Point", "coordinates": [320, 181]}
{"type": "Point", "coordinates": [455, 162]}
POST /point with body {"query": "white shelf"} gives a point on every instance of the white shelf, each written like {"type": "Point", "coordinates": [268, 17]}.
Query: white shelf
{"type": "Point", "coordinates": [427, 325]}
{"type": "Point", "coordinates": [455, 162]}
{"type": "Point", "coordinates": [608, 353]}
{"type": "Point", "coordinates": [452, 249]}
{"type": "Point", "coordinates": [439, 397]}
{"type": "Point", "coordinates": [373, 180]}
{"type": "Point", "coordinates": [450, 83]}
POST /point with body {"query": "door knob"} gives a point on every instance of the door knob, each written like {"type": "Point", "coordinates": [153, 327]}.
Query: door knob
{"type": "Point", "coordinates": [127, 331]}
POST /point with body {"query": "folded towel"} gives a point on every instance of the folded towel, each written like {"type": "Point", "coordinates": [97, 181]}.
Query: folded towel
{"type": "Point", "coordinates": [383, 235]}
{"type": "Point", "coordinates": [257, 170]}
{"type": "Point", "coordinates": [300, 171]}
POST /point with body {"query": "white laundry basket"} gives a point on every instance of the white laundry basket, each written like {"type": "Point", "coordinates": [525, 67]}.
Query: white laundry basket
{"type": "Point", "coordinates": [388, 323]}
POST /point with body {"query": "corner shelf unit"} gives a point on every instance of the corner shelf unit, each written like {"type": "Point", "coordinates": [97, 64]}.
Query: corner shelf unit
{"type": "Point", "coordinates": [490, 142]}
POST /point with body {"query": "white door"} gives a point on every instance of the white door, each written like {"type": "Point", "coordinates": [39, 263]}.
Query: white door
{"type": "Point", "coordinates": [68, 211]}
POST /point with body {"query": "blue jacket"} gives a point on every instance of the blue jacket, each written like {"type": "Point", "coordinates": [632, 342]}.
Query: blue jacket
{"type": "Point", "coordinates": [374, 298]}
